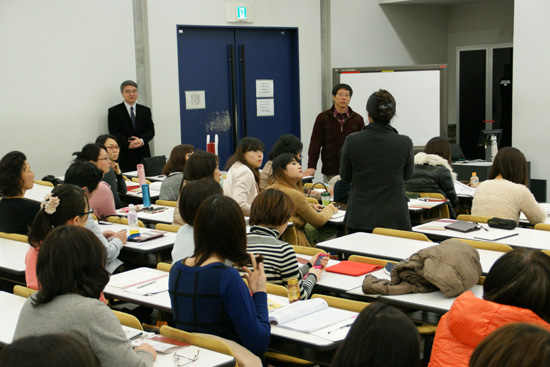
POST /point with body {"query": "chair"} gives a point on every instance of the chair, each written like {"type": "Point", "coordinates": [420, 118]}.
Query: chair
{"type": "Point", "coordinates": [290, 235]}
{"type": "Point", "coordinates": [14, 236]}
{"type": "Point", "coordinates": [167, 227]}
{"type": "Point", "coordinates": [122, 220]}
{"type": "Point", "coordinates": [542, 226]}
{"type": "Point", "coordinates": [492, 246]}
{"type": "Point", "coordinates": [473, 218]}
{"type": "Point", "coordinates": [128, 320]}
{"type": "Point", "coordinates": [342, 303]}
{"type": "Point", "coordinates": [135, 179]}
{"type": "Point", "coordinates": [276, 289]}
{"type": "Point", "coordinates": [310, 251]}
{"type": "Point", "coordinates": [444, 209]}
{"type": "Point", "coordinates": [370, 260]}
{"type": "Point", "coordinates": [318, 185]}
{"type": "Point", "coordinates": [312, 200]}
{"type": "Point", "coordinates": [21, 291]}
{"type": "Point", "coordinates": [164, 267]}
{"type": "Point", "coordinates": [44, 183]}
{"type": "Point", "coordinates": [403, 234]}
{"type": "Point", "coordinates": [198, 340]}
{"type": "Point", "coordinates": [166, 203]}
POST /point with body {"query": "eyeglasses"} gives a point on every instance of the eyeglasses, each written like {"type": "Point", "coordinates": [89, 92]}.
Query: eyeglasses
{"type": "Point", "coordinates": [113, 147]}
{"type": "Point", "coordinates": [343, 95]}
{"type": "Point", "coordinates": [177, 359]}
{"type": "Point", "coordinates": [87, 214]}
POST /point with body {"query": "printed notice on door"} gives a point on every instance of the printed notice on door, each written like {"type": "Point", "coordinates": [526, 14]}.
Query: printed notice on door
{"type": "Point", "coordinates": [194, 100]}
{"type": "Point", "coordinates": [264, 88]}
{"type": "Point", "coordinates": [265, 107]}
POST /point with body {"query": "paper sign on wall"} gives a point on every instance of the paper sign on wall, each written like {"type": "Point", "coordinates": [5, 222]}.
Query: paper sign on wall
{"type": "Point", "coordinates": [264, 88]}
{"type": "Point", "coordinates": [265, 107]}
{"type": "Point", "coordinates": [194, 100]}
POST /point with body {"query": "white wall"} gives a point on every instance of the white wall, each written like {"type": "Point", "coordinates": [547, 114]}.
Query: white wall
{"type": "Point", "coordinates": [61, 66]}
{"type": "Point", "coordinates": [365, 33]}
{"type": "Point", "coordinates": [163, 16]}
{"type": "Point", "coordinates": [530, 116]}
{"type": "Point", "coordinates": [474, 24]}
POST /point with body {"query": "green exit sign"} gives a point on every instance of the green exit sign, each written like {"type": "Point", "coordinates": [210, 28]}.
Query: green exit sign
{"type": "Point", "coordinates": [241, 12]}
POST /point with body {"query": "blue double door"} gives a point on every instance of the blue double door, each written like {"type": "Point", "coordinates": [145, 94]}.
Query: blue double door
{"type": "Point", "coordinates": [237, 82]}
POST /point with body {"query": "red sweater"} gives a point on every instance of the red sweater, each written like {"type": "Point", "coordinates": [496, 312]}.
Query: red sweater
{"type": "Point", "coordinates": [467, 323]}
{"type": "Point", "coordinates": [328, 138]}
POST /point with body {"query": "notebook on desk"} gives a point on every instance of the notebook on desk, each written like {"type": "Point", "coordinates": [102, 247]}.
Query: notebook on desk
{"type": "Point", "coordinates": [352, 268]}
{"type": "Point", "coordinates": [462, 226]}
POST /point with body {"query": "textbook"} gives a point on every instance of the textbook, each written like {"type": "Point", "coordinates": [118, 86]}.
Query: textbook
{"type": "Point", "coordinates": [352, 268]}
{"type": "Point", "coordinates": [309, 315]}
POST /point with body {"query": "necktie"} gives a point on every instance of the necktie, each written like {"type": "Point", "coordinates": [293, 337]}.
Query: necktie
{"type": "Point", "coordinates": [133, 116]}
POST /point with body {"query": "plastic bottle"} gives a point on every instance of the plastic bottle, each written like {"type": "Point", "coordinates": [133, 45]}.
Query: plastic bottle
{"type": "Point", "coordinates": [494, 147]}
{"type": "Point", "coordinates": [133, 226]}
{"type": "Point", "coordinates": [474, 180]}
{"type": "Point", "coordinates": [293, 290]}
{"type": "Point", "coordinates": [141, 174]}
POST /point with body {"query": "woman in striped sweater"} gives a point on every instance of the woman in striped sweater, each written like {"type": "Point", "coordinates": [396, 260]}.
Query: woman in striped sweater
{"type": "Point", "coordinates": [269, 217]}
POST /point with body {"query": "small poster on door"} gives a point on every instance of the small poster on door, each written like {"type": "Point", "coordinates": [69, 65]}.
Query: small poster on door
{"type": "Point", "coordinates": [264, 88]}
{"type": "Point", "coordinates": [265, 107]}
{"type": "Point", "coordinates": [194, 100]}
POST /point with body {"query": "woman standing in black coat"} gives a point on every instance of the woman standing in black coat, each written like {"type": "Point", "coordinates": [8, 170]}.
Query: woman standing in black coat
{"type": "Point", "coordinates": [377, 161]}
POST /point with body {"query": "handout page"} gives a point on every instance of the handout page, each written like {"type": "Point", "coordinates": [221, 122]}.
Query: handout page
{"type": "Point", "coordinates": [148, 288]}
{"type": "Point", "coordinates": [136, 277]}
{"type": "Point", "coordinates": [495, 234]}
{"type": "Point", "coordinates": [464, 190]}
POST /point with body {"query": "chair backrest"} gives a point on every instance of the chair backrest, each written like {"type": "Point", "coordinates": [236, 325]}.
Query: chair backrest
{"type": "Point", "coordinates": [547, 252]}
{"type": "Point", "coordinates": [21, 291]}
{"type": "Point", "coordinates": [166, 203]}
{"type": "Point", "coordinates": [135, 179]}
{"type": "Point", "coordinates": [312, 200]}
{"type": "Point", "coordinates": [473, 218]}
{"type": "Point", "coordinates": [290, 236]}
{"type": "Point", "coordinates": [128, 320]}
{"type": "Point", "coordinates": [310, 251]}
{"type": "Point", "coordinates": [276, 289]}
{"type": "Point", "coordinates": [317, 185]}
{"type": "Point", "coordinates": [400, 233]}
{"type": "Point", "coordinates": [444, 209]}
{"type": "Point", "coordinates": [198, 340]}
{"type": "Point", "coordinates": [164, 267]}
{"type": "Point", "coordinates": [542, 226]}
{"type": "Point", "coordinates": [44, 183]}
{"type": "Point", "coordinates": [122, 220]}
{"type": "Point", "coordinates": [14, 236]}
{"type": "Point", "coordinates": [370, 260]}
{"type": "Point", "coordinates": [342, 303]}
{"type": "Point", "coordinates": [167, 227]}
{"type": "Point", "coordinates": [483, 245]}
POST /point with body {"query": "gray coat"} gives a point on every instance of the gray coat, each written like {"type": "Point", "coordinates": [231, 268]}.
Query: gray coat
{"type": "Point", "coordinates": [377, 161]}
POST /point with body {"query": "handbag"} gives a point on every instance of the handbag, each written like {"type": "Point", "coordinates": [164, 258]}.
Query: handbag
{"type": "Point", "coordinates": [153, 165]}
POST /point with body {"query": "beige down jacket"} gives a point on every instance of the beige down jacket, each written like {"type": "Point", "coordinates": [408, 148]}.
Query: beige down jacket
{"type": "Point", "coordinates": [452, 267]}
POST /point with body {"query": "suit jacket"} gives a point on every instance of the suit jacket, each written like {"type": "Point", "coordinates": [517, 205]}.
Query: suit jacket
{"type": "Point", "coordinates": [377, 161]}
{"type": "Point", "coordinates": [120, 125]}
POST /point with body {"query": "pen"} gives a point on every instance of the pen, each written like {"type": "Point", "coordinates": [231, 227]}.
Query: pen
{"type": "Point", "coordinates": [339, 328]}
{"type": "Point", "coordinates": [146, 284]}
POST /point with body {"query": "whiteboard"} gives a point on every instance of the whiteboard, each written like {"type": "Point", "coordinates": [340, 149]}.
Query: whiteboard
{"type": "Point", "coordinates": [420, 98]}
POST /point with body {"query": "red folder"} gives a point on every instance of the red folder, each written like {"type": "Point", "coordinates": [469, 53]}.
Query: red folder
{"type": "Point", "coordinates": [352, 268]}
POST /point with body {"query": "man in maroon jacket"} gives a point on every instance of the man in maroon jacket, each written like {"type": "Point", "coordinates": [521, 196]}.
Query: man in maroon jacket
{"type": "Point", "coordinates": [330, 131]}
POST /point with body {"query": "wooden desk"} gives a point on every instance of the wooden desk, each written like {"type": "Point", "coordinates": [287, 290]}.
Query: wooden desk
{"type": "Point", "coordinates": [11, 308]}
{"type": "Point", "coordinates": [433, 301]}
{"type": "Point", "coordinates": [38, 192]}
{"type": "Point", "coordinates": [391, 248]}
{"type": "Point", "coordinates": [12, 261]}
{"type": "Point", "coordinates": [528, 238]}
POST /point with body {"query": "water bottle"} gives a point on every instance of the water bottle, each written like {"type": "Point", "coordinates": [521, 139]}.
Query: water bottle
{"type": "Point", "coordinates": [494, 147]}
{"type": "Point", "coordinates": [293, 290]}
{"type": "Point", "coordinates": [474, 180]}
{"type": "Point", "coordinates": [133, 226]}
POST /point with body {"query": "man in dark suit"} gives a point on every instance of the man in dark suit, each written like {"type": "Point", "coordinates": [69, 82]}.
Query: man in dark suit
{"type": "Point", "coordinates": [132, 125]}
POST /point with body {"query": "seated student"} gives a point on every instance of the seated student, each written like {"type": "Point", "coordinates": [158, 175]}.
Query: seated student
{"type": "Point", "coordinates": [285, 144]}
{"type": "Point", "coordinates": [288, 178]}
{"type": "Point", "coordinates": [114, 177]}
{"type": "Point", "coordinates": [200, 165]}
{"type": "Point", "coordinates": [505, 193]}
{"type": "Point", "coordinates": [209, 297]}
{"type": "Point", "coordinates": [515, 290]}
{"type": "Point", "coordinates": [103, 202]}
{"type": "Point", "coordinates": [269, 217]}
{"type": "Point", "coordinates": [87, 176]}
{"type": "Point", "coordinates": [71, 271]}
{"type": "Point", "coordinates": [380, 336]}
{"type": "Point", "coordinates": [243, 177]}
{"type": "Point", "coordinates": [433, 172]}
{"type": "Point", "coordinates": [49, 350]}
{"type": "Point", "coordinates": [513, 345]}
{"type": "Point", "coordinates": [16, 177]}
{"type": "Point", "coordinates": [173, 170]}
{"type": "Point", "coordinates": [192, 195]}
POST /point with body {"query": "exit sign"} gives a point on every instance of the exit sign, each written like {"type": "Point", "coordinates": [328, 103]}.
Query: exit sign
{"type": "Point", "coordinates": [241, 12]}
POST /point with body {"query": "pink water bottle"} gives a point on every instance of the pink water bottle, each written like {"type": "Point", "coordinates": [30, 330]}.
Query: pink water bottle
{"type": "Point", "coordinates": [141, 174]}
